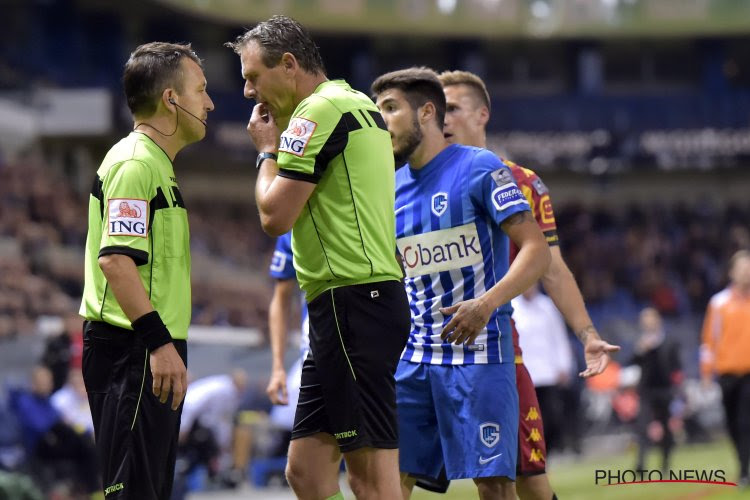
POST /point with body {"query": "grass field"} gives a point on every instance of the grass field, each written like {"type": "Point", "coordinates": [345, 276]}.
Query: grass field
{"type": "Point", "coordinates": [576, 480]}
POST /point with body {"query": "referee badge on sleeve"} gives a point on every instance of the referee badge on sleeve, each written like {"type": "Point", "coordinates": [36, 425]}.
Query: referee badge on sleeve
{"type": "Point", "coordinates": [295, 138]}
{"type": "Point", "coordinates": [127, 217]}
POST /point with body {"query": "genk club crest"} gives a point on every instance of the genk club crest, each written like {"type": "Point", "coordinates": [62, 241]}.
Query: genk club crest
{"type": "Point", "coordinates": [439, 203]}
{"type": "Point", "coordinates": [489, 434]}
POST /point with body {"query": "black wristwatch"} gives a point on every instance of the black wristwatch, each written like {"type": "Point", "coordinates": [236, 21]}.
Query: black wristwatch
{"type": "Point", "coordinates": [264, 156]}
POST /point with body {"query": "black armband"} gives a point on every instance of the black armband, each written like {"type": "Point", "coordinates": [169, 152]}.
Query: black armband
{"type": "Point", "coordinates": [152, 330]}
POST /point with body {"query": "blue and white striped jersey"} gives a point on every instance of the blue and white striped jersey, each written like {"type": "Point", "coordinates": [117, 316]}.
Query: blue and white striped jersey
{"type": "Point", "coordinates": [282, 268]}
{"type": "Point", "coordinates": [448, 216]}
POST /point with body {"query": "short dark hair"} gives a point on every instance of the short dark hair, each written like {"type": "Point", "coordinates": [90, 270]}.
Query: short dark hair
{"type": "Point", "coordinates": [152, 67]}
{"type": "Point", "coordinates": [419, 84]}
{"type": "Point", "coordinates": [448, 78]}
{"type": "Point", "coordinates": [278, 35]}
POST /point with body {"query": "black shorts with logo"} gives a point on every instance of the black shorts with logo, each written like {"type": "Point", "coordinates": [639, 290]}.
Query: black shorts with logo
{"type": "Point", "coordinates": [348, 390]}
{"type": "Point", "coordinates": [135, 434]}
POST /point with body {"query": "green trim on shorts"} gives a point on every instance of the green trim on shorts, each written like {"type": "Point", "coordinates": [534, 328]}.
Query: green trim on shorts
{"type": "Point", "coordinates": [140, 394]}
{"type": "Point", "coordinates": [336, 317]}
{"type": "Point", "coordinates": [337, 496]}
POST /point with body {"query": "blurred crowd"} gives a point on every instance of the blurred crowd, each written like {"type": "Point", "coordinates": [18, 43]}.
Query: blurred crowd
{"type": "Point", "coordinates": [667, 257]}
{"type": "Point", "coordinates": [671, 256]}
{"type": "Point", "coordinates": [43, 223]}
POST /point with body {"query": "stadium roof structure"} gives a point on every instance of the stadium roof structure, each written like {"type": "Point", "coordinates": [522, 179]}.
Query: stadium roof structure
{"type": "Point", "coordinates": [492, 18]}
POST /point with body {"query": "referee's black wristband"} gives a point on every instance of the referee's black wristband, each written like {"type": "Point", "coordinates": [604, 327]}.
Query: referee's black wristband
{"type": "Point", "coordinates": [152, 330]}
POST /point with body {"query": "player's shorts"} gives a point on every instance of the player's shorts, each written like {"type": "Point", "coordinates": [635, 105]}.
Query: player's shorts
{"type": "Point", "coordinates": [461, 417]}
{"type": "Point", "coordinates": [532, 449]}
{"type": "Point", "coordinates": [136, 435]}
{"type": "Point", "coordinates": [357, 334]}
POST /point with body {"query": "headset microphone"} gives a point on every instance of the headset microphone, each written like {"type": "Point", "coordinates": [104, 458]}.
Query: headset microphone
{"type": "Point", "coordinates": [171, 101]}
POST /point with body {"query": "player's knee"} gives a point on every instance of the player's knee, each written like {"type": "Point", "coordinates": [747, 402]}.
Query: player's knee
{"type": "Point", "coordinates": [296, 476]}
{"type": "Point", "coordinates": [359, 484]}
{"type": "Point", "coordinates": [495, 487]}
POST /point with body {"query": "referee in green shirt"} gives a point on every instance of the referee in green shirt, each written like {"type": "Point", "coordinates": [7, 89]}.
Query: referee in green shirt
{"type": "Point", "coordinates": [136, 298]}
{"type": "Point", "coordinates": [330, 176]}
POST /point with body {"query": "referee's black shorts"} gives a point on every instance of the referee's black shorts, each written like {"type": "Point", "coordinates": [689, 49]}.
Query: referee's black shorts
{"type": "Point", "coordinates": [136, 435]}
{"type": "Point", "coordinates": [348, 388]}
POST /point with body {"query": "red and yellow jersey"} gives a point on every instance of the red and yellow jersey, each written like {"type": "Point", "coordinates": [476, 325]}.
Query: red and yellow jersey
{"type": "Point", "coordinates": [537, 195]}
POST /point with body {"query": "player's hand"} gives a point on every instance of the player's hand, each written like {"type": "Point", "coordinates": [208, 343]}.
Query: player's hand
{"type": "Point", "coordinates": [596, 352]}
{"type": "Point", "coordinates": [276, 389]}
{"type": "Point", "coordinates": [263, 129]}
{"type": "Point", "coordinates": [169, 373]}
{"type": "Point", "coordinates": [469, 317]}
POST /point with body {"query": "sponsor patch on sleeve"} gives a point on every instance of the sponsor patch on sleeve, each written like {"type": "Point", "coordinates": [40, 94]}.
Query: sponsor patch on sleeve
{"type": "Point", "coordinates": [296, 137]}
{"type": "Point", "coordinates": [504, 197]}
{"type": "Point", "coordinates": [502, 176]}
{"type": "Point", "coordinates": [127, 217]}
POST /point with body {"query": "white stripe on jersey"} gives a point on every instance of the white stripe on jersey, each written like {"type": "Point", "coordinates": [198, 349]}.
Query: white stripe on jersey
{"type": "Point", "coordinates": [510, 204]}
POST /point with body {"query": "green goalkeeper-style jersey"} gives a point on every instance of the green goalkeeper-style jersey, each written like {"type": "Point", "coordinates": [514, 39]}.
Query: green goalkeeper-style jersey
{"type": "Point", "coordinates": [136, 209]}
{"type": "Point", "coordinates": [345, 234]}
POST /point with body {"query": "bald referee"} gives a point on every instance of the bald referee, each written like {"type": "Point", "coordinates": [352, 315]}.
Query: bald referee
{"type": "Point", "coordinates": [136, 299]}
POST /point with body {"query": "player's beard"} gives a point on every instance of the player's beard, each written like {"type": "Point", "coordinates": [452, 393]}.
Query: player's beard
{"type": "Point", "coordinates": [408, 144]}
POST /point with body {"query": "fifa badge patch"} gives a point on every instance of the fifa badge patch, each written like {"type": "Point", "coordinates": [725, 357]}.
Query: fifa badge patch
{"type": "Point", "coordinates": [489, 434]}
{"type": "Point", "coordinates": [127, 217]}
{"type": "Point", "coordinates": [439, 203]}
{"type": "Point", "coordinates": [297, 136]}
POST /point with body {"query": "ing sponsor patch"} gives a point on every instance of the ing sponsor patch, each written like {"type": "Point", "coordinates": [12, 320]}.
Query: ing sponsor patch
{"type": "Point", "coordinates": [127, 217]}
{"type": "Point", "coordinates": [296, 137]}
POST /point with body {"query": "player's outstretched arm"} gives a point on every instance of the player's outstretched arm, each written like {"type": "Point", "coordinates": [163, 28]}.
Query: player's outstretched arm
{"type": "Point", "coordinates": [278, 313]}
{"type": "Point", "coordinates": [469, 317]}
{"type": "Point", "coordinates": [561, 286]}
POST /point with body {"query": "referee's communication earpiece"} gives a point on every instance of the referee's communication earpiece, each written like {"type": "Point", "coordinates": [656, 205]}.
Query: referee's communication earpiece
{"type": "Point", "coordinates": [171, 101]}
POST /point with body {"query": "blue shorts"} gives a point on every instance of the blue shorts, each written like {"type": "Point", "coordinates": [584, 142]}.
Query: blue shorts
{"type": "Point", "coordinates": [461, 417]}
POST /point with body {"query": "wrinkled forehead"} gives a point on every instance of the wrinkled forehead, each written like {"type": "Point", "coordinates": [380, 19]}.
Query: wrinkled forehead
{"type": "Point", "coordinates": [251, 57]}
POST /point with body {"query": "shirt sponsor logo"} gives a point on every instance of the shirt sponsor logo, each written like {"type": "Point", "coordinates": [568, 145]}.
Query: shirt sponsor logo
{"type": "Point", "coordinates": [489, 434]}
{"type": "Point", "coordinates": [439, 203]}
{"type": "Point", "coordinates": [296, 137]}
{"type": "Point", "coordinates": [127, 217]}
{"type": "Point", "coordinates": [506, 196]}
{"type": "Point", "coordinates": [441, 250]}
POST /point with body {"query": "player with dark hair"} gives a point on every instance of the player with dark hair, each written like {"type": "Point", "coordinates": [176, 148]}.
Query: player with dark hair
{"type": "Point", "coordinates": [330, 177]}
{"type": "Point", "coordinates": [136, 299]}
{"type": "Point", "coordinates": [457, 209]}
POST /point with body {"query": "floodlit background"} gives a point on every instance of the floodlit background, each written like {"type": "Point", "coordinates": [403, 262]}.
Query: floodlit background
{"type": "Point", "coordinates": [636, 113]}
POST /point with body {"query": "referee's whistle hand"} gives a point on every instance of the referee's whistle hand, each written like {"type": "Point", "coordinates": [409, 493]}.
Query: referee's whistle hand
{"type": "Point", "coordinates": [169, 374]}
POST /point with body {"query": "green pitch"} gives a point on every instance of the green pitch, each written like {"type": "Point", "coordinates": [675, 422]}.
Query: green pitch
{"type": "Point", "coordinates": [576, 480]}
